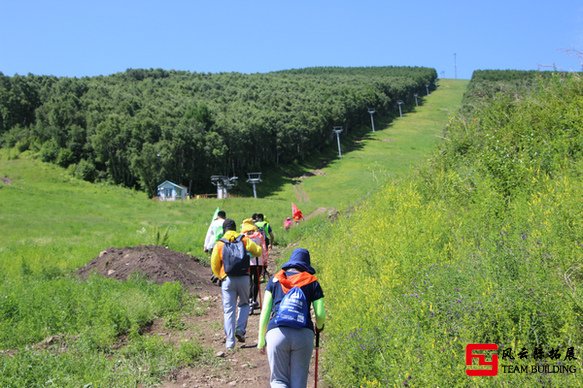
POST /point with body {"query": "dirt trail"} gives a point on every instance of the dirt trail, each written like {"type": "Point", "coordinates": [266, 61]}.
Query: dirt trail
{"type": "Point", "coordinates": [245, 367]}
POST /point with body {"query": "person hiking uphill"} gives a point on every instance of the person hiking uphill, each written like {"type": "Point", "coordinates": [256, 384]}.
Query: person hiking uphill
{"type": "Point", "coordinates": [215, 231]}
{"type": "Point", "coordinates": [265, 228]}
{"type": "Point", "coordinates": [249, 229]}
{"type": "Point", "coordinates": [286, 318]}
{"type": "Point", "coordinates": [230, 263]}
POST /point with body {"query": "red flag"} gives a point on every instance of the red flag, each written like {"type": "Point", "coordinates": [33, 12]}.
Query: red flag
{"type": "Point", "coordinates": [296, 213]}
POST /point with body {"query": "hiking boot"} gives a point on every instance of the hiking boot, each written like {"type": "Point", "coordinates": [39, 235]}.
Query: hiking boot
{"type": "Point", "coordinates": [254, 305]}
{"type": "Point", "coordinates": [240, 337]}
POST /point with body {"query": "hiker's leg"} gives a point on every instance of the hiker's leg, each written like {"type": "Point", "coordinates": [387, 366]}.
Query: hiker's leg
{"type": "Point", "coordinates": [251, 284]}
{"type": "Point", "coordinates": [278, 355]}
{"type": "Point", "coordinates": [255, 282]}
{"type": "Point", "coordinates": [252, 276]}
{"type": "Point", "coordinates": [301, 354]}
{"type": "Point", "coordinates": [242, 286]}
{"type": "Point", "coordinates": [229, 306]}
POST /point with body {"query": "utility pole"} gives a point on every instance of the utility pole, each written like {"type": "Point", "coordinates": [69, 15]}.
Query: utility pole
{"type": "Point", "coordinates": [337, 131]}
{"type": "Point", "coordinates": [371, 111]}
{"type": "Point", "coordinates": [254, 178]}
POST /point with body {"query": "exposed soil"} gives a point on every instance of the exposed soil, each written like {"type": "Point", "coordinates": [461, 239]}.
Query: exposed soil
{"type": "Point", "coordinates": [245, 367]}
{"type": "Point", "coordinates": [157, 263]}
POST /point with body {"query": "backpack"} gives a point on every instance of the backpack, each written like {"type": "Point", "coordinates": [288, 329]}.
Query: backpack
{"type": "Point", "coordinates": [294, 310]}
{"type": "Point", "coordinates": [259, 239]}
{"type": "Point", "coordinates": [263, 227]}
{"type": "Point", "coordinates": [218, 233]}
{"type": "Point", "coordinates": [235, 257]}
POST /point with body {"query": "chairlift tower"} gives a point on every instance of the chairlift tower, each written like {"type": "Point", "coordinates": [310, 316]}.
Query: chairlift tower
{"type": "Point", "coordinates": [223, 183]}
{"type": "Point", "coordinates": [399, 103]}
{"type": "Point", "coordinates": [338, 130]}
{"type": "Point", "coordinates": [254, 178]}
{"type": "Point", "coordinates": [371, 111]}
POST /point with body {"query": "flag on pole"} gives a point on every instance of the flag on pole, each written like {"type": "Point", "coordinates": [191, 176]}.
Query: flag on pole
{"type": "Point", "coordinates": [208, 231]}
{"type": "Point", "coordinates": [215, 214]}
{"type": "Point", "coordinates": [296, 213]}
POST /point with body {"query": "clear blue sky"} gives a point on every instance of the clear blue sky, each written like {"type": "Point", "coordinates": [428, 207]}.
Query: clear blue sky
{"type": "Point", "coordinates": [86, 38]}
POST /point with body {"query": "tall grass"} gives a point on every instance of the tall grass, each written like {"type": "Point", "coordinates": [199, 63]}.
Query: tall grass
{"type": "Point", "coordinates": [483, 246]}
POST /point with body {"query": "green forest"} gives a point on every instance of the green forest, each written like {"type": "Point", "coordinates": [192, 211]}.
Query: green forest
{"type": "Point", "coordinates": [143, 126]}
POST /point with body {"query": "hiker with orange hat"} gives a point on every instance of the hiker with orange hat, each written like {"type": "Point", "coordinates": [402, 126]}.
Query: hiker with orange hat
{"type": "Point", "coordinates": [230, 263]}
{"type": "Point", "coordinates": [256, 264]}
{"type": "Point", "coordinates": [285, 324]}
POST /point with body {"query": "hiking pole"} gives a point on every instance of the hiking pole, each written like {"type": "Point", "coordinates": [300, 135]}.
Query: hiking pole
{"type": "Point", "coordinates": [316, 363]}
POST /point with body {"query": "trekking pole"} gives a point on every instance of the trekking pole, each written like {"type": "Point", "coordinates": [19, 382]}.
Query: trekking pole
{"type": "Point", "coordinates": [316, 363]}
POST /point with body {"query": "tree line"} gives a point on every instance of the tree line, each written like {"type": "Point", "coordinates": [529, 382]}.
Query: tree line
{"type": "Point", "coordinates": [141, 126]}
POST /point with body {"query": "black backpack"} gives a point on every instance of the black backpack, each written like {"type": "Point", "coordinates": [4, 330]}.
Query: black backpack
{"type": "Point", "coordinates": [235, 257]}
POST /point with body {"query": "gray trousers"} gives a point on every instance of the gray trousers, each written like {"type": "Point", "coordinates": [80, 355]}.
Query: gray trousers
{"type": "Point", "coordinates": [289, 352]}
{"type": "Point", "coordinates": [235, 291]}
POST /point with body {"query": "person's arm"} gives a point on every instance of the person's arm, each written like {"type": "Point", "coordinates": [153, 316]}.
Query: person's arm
{"type": "Point", "coordinates": [216, 261]}
{"type": "Point", "coordinates": [264, 319]}
{"type": "Point", "coordinates": [252, 248]}
{"type": "Point", "coordinates": [320, 313]}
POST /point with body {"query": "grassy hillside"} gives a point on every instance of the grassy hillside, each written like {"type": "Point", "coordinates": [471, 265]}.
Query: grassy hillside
{"type": "Point", "coordinates": [52, 224]}
{"type": "Point", "coordinates": [382, 155]}
{"type": "Point", "coordinates": [482, 246]}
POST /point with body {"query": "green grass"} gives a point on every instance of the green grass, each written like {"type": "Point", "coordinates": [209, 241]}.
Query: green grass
{"type": "Point", "coordinates": [386, 154]}
{"type": "Point", "coordinates": [52, 224]}
{"type": "Point", "coordinates": [483, 245]}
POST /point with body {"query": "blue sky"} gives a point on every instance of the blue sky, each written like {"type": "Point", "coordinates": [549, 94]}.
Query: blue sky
{"type": "Point", "coordinates": [88, 38]}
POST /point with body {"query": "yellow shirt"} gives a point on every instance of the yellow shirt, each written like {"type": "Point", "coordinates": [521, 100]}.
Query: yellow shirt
{"type": "Point", "coordinates": [217, 256]}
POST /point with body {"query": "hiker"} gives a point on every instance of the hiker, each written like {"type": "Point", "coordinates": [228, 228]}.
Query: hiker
{"type": "Point", "coordinates": [257, 263]}
{"type": "Point", "coordinates": [215, 231]}
{"type": "Point", "coordinates": [290, 331]}
{"type": "Point", "coordinates": [297, 214]}
{"type": "Point", "coordinates": [265, 228]}
{"type": "Point", "coordinates": [287, 223]}
{"type": "Point", "coordinates": [234, 280]}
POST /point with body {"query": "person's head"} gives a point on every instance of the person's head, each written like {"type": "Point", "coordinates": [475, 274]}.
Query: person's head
{"type": "Point", "coordinates": [259, 217]}
{"type": "Point", "coordinates": [288, 219]}
{"type": "Point", "coordinates": [254, 217]}
{"type": "Point", "coordinates": [299, 260]}
{"type": "Point", "coordinates": [222, 214]}
{"type": "Point", "coordinates": [229, 224]}
{"type": "Point", "coordinates": [248, 227]}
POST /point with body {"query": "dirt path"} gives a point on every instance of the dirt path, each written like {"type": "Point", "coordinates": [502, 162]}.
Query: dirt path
{"type": "Point", "coordinates": [245, 367]}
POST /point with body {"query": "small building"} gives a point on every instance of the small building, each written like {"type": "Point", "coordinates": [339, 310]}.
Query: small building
{"type": "Point", "coordinates": [170, 191]}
